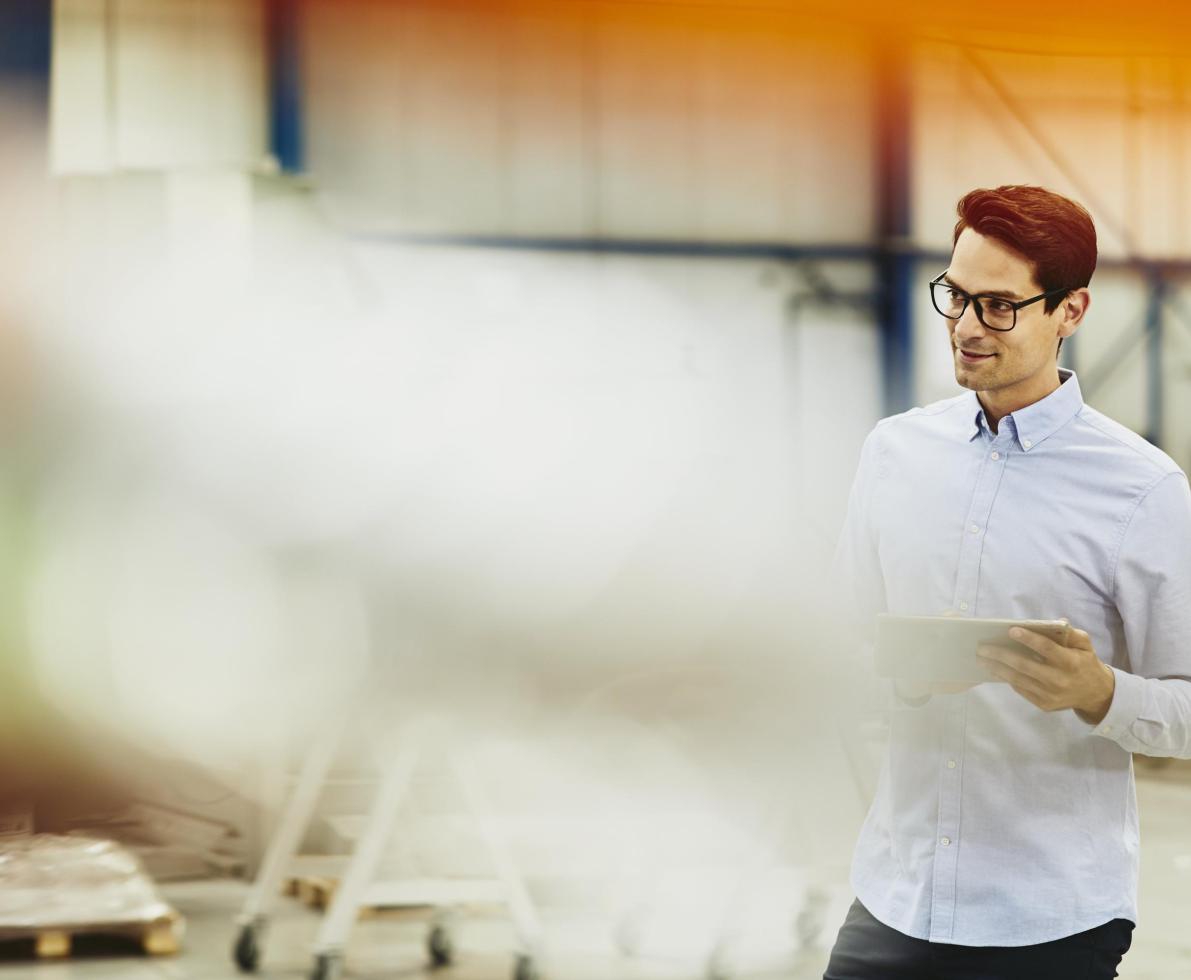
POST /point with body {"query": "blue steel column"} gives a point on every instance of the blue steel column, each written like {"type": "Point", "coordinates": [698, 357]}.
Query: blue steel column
{"type": "Point", "coordinates": [282, 27]}
{"type": "Point", "coordinates": [895, 263]}
{"type": "Point", "coordinates": [1154, 384]}
{"type": "Point", "coordinates": [25, 40]}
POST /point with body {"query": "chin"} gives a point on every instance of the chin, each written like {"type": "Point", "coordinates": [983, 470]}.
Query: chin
{"type": "Point", "coordinates": [965, 380]}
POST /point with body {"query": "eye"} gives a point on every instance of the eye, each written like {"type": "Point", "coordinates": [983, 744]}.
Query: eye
{"type": "Point", "coordinates": [955, 296]}
{"type": "Point", "coordinates": [998, 306]}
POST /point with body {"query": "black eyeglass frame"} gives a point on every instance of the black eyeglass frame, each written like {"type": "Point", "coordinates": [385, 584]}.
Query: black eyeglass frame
{"type": "Point", "coordinates": [1015, 305]}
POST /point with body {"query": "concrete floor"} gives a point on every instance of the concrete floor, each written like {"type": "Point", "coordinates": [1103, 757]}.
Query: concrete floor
{"type": "Point", "coordinates": [391, 947]}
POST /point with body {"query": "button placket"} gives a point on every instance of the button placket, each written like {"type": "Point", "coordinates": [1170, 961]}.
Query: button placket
{"type": "Point", "coordinates": [943, 890]}
{"type": "Point", "coordinates": [967, 576]}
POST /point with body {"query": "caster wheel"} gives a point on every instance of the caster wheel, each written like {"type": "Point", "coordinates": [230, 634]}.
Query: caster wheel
{"type": "Point", "coordinates": [246, 952]}
{"type": "Point", "coordinates": [524, 969]}
{"type": "Point", "coordinates": [327, 966]}
{"type": "Point", "coordinates": [440, 946]}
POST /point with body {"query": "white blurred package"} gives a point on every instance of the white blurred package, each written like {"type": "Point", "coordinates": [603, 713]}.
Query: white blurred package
{"type": "Point", "coordinates": [49, 880]}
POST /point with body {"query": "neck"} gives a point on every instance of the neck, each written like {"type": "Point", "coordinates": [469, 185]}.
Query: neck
{"type": "Point", "coordinates": [1000, 402]}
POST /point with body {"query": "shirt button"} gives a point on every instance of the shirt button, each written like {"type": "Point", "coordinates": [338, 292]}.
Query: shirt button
{"type": "Point", "coordinates": [1027, 443]}
{"type": "Point", "coordinates": [963, 606]}
{"type": "Point", "coordinates": [950, 763]}
{"type": "Point", "coordinates": [996, 455]}
{"type": "Point", "coordinates": [945, 841]}
{"type": "Point", "coordinates": [975, 529]}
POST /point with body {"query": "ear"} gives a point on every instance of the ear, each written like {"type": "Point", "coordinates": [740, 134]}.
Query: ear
{"type": "Point", "coordinates": [1072, 311]}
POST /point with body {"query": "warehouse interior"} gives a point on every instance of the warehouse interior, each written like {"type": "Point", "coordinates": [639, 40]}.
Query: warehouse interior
{"type": "Point", "coordinates": [426, 427]}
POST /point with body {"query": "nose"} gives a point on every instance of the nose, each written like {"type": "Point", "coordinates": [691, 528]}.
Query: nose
{"type": "Point", "coordinates": [968, 326]}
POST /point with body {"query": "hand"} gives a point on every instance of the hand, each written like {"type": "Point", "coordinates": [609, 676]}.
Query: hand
{"type": "Point", "coordinates": [1060, 677]}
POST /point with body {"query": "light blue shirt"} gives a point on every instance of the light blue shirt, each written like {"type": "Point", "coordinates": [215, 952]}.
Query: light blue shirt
{"type": "Point", "coordinates": [996, 823]}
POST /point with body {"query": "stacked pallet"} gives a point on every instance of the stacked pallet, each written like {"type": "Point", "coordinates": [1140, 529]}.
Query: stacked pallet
{"type": "Point", "coordinates": [54, 889]}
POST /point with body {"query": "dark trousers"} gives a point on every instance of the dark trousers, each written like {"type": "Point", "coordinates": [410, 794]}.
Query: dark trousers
{"type": "Point", "coordinates": [869, 950]}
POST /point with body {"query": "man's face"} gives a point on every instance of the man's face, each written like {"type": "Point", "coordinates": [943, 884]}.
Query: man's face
{"type": "Point", "coordinates": [1021, 361]}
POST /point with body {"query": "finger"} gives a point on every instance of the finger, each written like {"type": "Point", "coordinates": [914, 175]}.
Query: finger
{"type": "Point", "coordinates": [1079, 640]}
{"type": "Point", "coordinates": [1021, 663]}
{"type": "Point", "coordinates": [1026, 687]}
{"type": "Point", "coordinates": [1043, 687]}
{"type": "Point", "coordinates": [1038, 698]}
{"type": "Point", "coordinates": [1044, 646]}
{"type": "Point", "coordinates": [1009, 673]}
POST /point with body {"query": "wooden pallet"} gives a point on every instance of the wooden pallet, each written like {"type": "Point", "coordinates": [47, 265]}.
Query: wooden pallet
{"type": "Point", "coordinates": [159, 937]}
{"type": "Point", "coordinates": [318, 893]}
{"type": "Point", "coordinates": [315, 893]}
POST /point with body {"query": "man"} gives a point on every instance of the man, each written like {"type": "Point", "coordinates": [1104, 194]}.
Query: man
{"type": "Point", "coordinates": [1003, 838]}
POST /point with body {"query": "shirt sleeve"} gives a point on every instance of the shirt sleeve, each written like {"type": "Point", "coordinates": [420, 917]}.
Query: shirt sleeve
{"type": "Point", "coordinates": [1151, 707]}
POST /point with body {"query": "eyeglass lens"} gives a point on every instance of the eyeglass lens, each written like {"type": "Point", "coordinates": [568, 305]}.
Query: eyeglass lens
{"type": "Point", "coordinates": [951, 302]}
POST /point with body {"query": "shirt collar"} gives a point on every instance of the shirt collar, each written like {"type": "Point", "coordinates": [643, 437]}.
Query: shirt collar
{"type": "Point", "coordinates": [1037, 422]}
{"type": "Point", "coordinates": [976, 410]}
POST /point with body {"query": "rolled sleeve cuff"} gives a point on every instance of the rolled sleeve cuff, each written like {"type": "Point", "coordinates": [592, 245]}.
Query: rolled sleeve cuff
{"type": "Point", "coordinates": [1128, 698]}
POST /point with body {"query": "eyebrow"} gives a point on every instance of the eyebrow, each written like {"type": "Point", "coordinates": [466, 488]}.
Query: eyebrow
{"type": "Point", "coordinates": [999, 293]}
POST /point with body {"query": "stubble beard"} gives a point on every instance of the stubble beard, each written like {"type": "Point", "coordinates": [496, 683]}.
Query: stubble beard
{"type": "Point", "coordinates": [984, 377]}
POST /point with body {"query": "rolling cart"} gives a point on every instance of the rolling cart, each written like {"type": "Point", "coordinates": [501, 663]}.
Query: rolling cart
{"type": "Point", "coordinates": [359, 870]}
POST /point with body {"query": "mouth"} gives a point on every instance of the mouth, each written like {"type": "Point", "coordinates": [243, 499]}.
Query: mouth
{"type": "Point", "coordinates": [971, 357]}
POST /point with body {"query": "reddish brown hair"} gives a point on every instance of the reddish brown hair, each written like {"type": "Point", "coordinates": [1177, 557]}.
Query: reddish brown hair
{"type": "Point", "coordinates": [1053, 233]}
